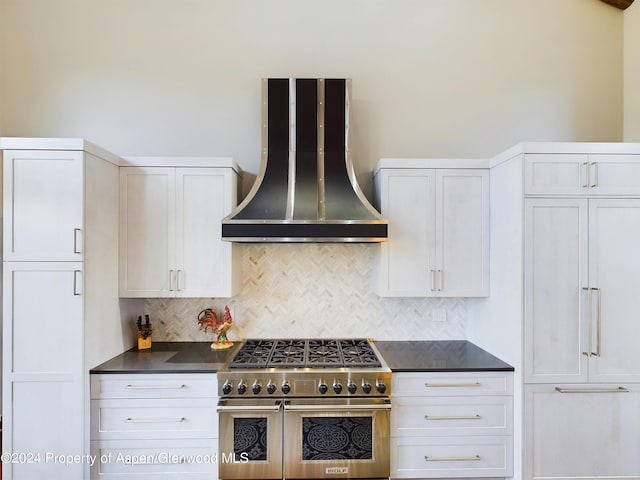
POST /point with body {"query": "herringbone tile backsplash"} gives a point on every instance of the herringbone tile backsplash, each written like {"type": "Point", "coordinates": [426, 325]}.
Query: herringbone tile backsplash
{"type": "Point", "coordinates": [314, 291]}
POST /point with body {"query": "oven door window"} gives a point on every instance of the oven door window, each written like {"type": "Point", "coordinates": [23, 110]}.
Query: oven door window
{"type": "Point", "coordinates": [337, 438]}
{"type": "Point", "coordinates": [250, 438]}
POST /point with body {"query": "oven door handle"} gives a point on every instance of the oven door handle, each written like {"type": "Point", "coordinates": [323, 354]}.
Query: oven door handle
{"type": "Point", "coordinates": [334, 408]}
{"type": "Point", "coordinates": [252, 408]}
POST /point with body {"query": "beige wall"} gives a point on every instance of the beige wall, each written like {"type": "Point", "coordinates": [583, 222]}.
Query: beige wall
{"type": "Point", "coordinates": [461, 78]}
{"type": "Point", "coordinates": [632, 73]}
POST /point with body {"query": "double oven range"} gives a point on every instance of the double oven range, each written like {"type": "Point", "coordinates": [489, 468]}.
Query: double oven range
{"type": "Point", "coordinates": [304, 408]}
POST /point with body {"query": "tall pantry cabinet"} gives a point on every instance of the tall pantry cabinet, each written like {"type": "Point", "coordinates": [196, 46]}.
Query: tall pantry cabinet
{"type": "Point", "coordinates": [61, 313]}
{"type": "Point", "coordinates": [579, 208]}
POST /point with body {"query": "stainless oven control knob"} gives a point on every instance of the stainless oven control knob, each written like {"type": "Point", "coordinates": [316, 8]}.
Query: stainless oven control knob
{"type": "Point", "coordinates": [337, 387]}
{"type": "Point", "coordinates": [227, 387]}
{"type": "Point", "coordinates": [381, 387]}
{"type": "Point", "coordinates": [271, 388]}
{"type": "Point", "coordinates": [352, 387]}
{"type": "Point", "coordinates": [366, 387]}
{"type": "Point", "coordinates": [322, 387]}
{"type": "Point", "coordinates": [242, 388]}
{"type": "Point", "coordinates": [286, 387]}
{"type": "Point", "coordinates": [256, 388]}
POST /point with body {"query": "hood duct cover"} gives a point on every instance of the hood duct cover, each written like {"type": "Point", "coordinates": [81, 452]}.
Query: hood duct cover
{"type": "Point", "coordinates": [306, 190]}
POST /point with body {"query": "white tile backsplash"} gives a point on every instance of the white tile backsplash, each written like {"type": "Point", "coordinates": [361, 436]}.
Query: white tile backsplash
{"type": "Point", "coordinates": [314, 291]}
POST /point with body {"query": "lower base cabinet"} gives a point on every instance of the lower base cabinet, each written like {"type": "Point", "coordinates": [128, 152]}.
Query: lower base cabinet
{"type": "Point", "coordinates": [451, 457]}
{"type": "Point", "coordinates": [452, 425]}
{"type": "Point", "coordinates": [154, 426]}
{"type": "Point", "coordinates": [585, 431]}
{"type": "Point", "coordinates": [150, 459]}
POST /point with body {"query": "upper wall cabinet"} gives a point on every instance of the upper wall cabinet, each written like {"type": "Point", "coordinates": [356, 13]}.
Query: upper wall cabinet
{"type": "Point", "coordinates": [582, 174]}
{"type": "Point", "coordinates": [44, 205]}
{"type": "Point", "coordinates": [438, 242]}
{"type": "Point", "coordinates": [170, 230]}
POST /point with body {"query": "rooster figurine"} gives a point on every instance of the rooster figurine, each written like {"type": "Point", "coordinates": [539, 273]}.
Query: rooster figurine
{"type": "Point", "coordinates": [207, 318]}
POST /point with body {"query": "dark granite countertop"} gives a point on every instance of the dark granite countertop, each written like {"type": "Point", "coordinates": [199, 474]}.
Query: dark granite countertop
{"type": "Point", "coordinates": [169, 357]}
{"type": "Point", "coordinates": [438, 356]}
{"type": "Point", "coordinates": [400, 356]}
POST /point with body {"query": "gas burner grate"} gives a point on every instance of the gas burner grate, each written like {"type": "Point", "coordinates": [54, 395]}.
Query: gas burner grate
{"type": "Point", "coordinates": [305, 353]}
{"type": "Point", "coordinates": [288, 353]}
{"type": "Point", "coordinates": [324, 353]}
{"type": "Point", "coordinates": [254, 353]}
{"type": "Point", "coordinates": [358, 353]}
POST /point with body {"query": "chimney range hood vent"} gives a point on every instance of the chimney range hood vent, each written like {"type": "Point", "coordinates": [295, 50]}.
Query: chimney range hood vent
{"type": "Point", "coordinates": [306, 190]}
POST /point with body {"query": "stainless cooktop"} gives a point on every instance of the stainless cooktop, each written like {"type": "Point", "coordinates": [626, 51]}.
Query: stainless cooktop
{"type": "Point", "coordinates": [305, 367]}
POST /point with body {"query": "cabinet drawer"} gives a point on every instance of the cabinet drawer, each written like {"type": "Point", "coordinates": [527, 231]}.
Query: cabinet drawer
{"type": "Point", "coordinates": [579, 174]}
{"type": "Point", "coordinates": [451, 457]}
{"type": "Point", "coordinates": [154, 386]}
{"type": "Point", "coordinates": [145, 418]}
{"type": "Point", "coordinates": [416, 416]}
{"type": "Point", "coordinates": [452, 384]}
{"type": "Point", "coordinates": [157, 459]}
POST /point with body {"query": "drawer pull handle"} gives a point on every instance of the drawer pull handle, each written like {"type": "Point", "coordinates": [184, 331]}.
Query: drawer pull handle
{"type": "Point", "coordinates": [452, 385]}
{"type": "Point", "coordinates": [461, 417]}
{"type": "Point", "coordinates": [592, 390]}
{"type": "Point", "coordinates": [155, 420]}
{"type": "Point", "coordinates": [452, 459]}
{"type": "Point", "coordinates": [155, 387]}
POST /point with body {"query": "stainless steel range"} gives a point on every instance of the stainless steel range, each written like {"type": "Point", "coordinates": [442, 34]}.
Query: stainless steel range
{"type": "Point", "coordinates": [304, 408]}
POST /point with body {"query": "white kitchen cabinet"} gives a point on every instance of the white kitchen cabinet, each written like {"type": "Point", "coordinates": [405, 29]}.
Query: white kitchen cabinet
{"type": "Point", "coordinates": [438, 243]}
{"type": "Point", "coordinates": [170, 231]}
{"type": "Point", "coordinates": [43, 216]}
{"type": "Point", "coordinates": [581, 284]}
{"type": "Point", "coordinates": [581, 304]}
{"type": "Point", "coordinates": [43, 387]}
{"type": "Point", "coordinates": [148, 426]}
{"type": "Point", "coordinates": [556, 270]}
{"type": "Point", "coordinates": [61, 312]}
{"type": "Point", "coordinates": [452, 425]}
{"type": "Point", "coordinates": [582, 431]}
{"type": "Point", "coordinates": [582, 174]}
{"type": "Point", "coordinates": [564, 270]}
{"type": "Point", "coordinates": [614, 263]}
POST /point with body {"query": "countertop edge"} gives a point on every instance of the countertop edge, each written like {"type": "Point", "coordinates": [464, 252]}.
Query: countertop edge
{"type": "Point", "coordinates": [154, 371]}
{"type": "Point", "coordinates": [453, 370]}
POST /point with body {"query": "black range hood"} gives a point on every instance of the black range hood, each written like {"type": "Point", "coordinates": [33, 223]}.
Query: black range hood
{"type": "Point", "coordinates": [306, 190]}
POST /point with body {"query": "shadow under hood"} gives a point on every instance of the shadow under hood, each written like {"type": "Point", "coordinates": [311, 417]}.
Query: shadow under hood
{"type": "Point", "coordinates": [306, 190]}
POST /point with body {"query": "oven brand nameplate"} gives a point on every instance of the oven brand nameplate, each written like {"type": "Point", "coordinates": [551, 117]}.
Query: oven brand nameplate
{"type": "Point", "coordinates": [336, 470]}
